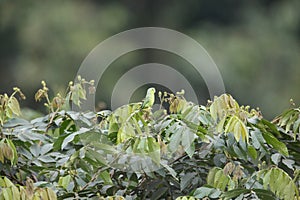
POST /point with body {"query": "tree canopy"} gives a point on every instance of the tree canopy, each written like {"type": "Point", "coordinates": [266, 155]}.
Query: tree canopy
{"type": "Point", "coordinates": [221, 150]}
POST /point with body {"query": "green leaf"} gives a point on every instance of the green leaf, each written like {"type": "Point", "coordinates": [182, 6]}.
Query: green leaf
{"type": "Point", "coordinates": [211, 175]}
{"type": "Point", "coordinates": [46, 159]}
{"type": "Point", "coordinates": [14, 106]}
{"type": "Point", "coordinates": [206, 192]}
{"type": "Point", "coordinates": [105, 176]}
{"type": "Point", "coordinates": [7, 193]}
{"type": "Point", "coordinates": [264, 194]}
{"type": "Point", "coordinates": [96, 157]}
{"type": "Point", "coordinates": [238, 128]}
{"type": "Point", "coordinates": [271, 126]}
{"type": "Point", "coordinates": [58, 142]}
{"type": "Point", "coordinates": [46, 148]}
{"type": "Point", "coordinates": [35, 150]}
{"type": "Point", "coordinates": [2, 182]}
{"type": "Point", "coordinates": [217, 179]}
{"type": "Point", "coordinates": [296, 126]}
{"type": "Point", "coordinates": [221, 180]}
{"type": "Point", "coordinates": [15, 193]}
{"type": "Point", "coordinates": [64, 181]}
{"type": "Point", "coordinates": [276, 158]}
{"type": "Point", "coordinates": [252, 152]}
{"type": "Point", "coordinates": [258, 141]}
{"type": "Point", "coordinates": [154, 149]}
{"type": "Point", "coordinates": [175, 140]}
{"type": "Point", "coordinates": [43, 194]}
{"type": "Point", "coordinates": [239, 152]}
{"type": "Point", "coordinates": [159, 193]}
{"type": "Point", "coordinates": [289, 163]}
{"type": "Point", "coordinates": [187, 140]}
{"type": "Point", "coordinates": [220, 125]}
{"type": "Point", "coordinates": [284, 118]}
{"type": "Point", "coordinates": [51, 194]}
{"type": "Point", "coordinates": [125, 132]}
{"type": "Point", "coordinates": [186, 180]}
{"type": "Point", "coordinates": [71, 137]}
{"type": "Point", "coordinates": [15, 122]}
{"type": "Point", "coordinates": [222, 106]}
{"type": "Point", "coordinates": [235, 193]}
{"type": "Point", "coordinates": [14, 159]}
{"type": "Point", "coordinates": [280, 183]}
{"type": "Point", "coordinates": [275, 143]}
{"type": "Point", "coordinates": [7, 182]}
{"type": "Point", "coordinates": [170, 170]}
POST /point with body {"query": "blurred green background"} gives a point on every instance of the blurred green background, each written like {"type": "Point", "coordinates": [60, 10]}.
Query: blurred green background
{"type": "Point", "coordinates": [255, 44]}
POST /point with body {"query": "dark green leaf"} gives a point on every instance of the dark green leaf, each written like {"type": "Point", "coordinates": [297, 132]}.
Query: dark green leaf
{"type": "Point", "coordinates": [275, 143]}
{"type": "Point", "coordinates": [234, 193]}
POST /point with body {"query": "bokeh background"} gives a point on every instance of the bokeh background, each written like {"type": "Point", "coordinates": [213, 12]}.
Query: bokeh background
{"type": "Point", "coordinates": [255, 44]}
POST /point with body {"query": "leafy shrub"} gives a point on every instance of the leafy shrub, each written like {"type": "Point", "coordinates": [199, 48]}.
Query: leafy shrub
{"type": "Point", "coordinates": [187, 151]}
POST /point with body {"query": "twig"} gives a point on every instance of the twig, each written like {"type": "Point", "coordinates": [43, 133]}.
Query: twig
{"type": "Point", "coordinates": [94, 177]}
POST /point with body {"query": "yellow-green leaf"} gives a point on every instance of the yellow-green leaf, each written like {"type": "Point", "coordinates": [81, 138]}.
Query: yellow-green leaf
{"type": "Point", "coordinates": [14, 159]}
{"type": "Point", "coordinates": [238, 128]}
{"type": "Point", "coordinates": [51, 194]}
{"type": "Point", "coordinates": [14, 106]}
{"type": "Point", "coordinates": [64, 181]}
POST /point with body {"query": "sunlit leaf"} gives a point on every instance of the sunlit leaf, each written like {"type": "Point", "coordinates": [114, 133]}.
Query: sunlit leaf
{"type": "Point", "coordinates": [14, 106]}
{"type": "Point", "coordinates": [238, 128]}
{"type": "Point", "coordinates": [64, 181]}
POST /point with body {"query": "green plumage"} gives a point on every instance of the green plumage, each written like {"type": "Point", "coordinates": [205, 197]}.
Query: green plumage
{"type": "Point", "coordinates": [149, 99]}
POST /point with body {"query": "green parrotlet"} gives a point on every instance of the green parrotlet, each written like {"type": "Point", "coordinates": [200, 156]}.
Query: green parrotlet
{"type": "Point", "coordinates": [149, 99]}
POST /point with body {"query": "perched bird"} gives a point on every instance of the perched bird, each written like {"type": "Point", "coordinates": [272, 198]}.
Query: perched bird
{"type": "Point", "coordinates": [149, 99]}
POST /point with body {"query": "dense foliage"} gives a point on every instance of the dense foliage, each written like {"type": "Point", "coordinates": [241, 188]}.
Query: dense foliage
{"type": "Point", "coordinates": [182, 150]}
